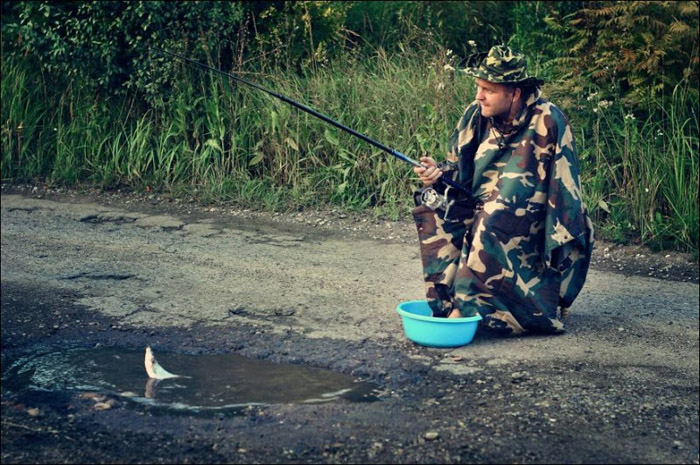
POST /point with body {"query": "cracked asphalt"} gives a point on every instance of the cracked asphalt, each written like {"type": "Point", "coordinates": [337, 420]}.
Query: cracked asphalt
{"type": "Point", "coordinates": [82, 270]}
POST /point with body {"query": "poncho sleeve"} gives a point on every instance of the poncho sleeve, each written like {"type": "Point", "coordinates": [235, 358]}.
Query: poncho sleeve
{"type": "Point", "coordinates": [568, 229]}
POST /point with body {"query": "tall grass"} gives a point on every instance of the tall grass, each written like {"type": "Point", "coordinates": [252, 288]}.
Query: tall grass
{"type": "Point", "coordinates": [25, 142]}
{"type": "Point", "coordinates": [641, 174]}
{"type": "Point", "coordinates": [215, 140]}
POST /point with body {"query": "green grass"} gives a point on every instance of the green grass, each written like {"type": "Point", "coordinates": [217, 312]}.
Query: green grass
{"type": "Point", "coordinates": [216, 141]}
{"type": "Point", "coordinates": [640, 176]}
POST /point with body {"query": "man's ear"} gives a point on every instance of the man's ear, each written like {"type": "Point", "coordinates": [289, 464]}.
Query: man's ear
{"type": "Point", "coordinates": [517, 93]}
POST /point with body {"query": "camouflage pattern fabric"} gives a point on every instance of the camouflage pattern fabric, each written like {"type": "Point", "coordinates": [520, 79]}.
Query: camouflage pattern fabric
{"type": "Point", "coordinates": [501, 65]}
{"type": "Point", "coordinates": [524, 251]}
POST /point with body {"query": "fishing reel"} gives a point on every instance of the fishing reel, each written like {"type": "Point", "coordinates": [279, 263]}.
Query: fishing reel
{"type": "Point", "coordinates": [454, 208]}
{"type": "Point", "coordinates": [432, 199]}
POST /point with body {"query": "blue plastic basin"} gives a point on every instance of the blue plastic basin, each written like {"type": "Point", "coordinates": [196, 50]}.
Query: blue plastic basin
{"type": "Point", "coordinates": [424, 329]}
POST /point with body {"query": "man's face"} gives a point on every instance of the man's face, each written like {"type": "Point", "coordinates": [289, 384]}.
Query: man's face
{"type": "Point", "coordinates": [494, 99]}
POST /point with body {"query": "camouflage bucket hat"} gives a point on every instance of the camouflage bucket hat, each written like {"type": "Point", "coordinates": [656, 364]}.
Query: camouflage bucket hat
{"type": "Point", "coordinates": [500, 65]}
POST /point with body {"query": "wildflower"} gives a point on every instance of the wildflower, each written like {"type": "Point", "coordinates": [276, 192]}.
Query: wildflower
{"type": "Point", "coordinates": [449, 52]}
{"type": "Point", "coordinates": [448, 67]}
{"type": "Point", "coordinates": [646, 189]}
{"type": "Point", "coordinates": [660, 133]}
{"type": "Point", "coordinates": [630, 116]}
{"type": "Point", "coordinates": [472, 43]}
{"type": "Point", "coordinates": [604, 103]}
{"type": "Point", "coordinates": [590, 97]}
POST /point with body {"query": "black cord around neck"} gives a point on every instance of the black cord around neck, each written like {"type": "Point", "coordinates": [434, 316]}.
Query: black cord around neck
{"type": "Point", "coordinates": [499, 135]}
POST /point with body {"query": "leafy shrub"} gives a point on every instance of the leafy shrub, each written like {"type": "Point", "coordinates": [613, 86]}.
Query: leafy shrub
{"type": "Point", "coordinates": [633, 50]}
{"type": "Point", "coordinates": [105, 45]}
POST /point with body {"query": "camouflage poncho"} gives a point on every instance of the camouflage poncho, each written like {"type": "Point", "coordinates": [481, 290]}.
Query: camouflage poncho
{"type": "Point", "coordinates": [525, 250]}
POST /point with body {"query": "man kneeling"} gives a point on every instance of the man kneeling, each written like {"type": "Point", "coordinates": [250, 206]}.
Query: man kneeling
{"type": "Point", "coordinates": [517, 250]}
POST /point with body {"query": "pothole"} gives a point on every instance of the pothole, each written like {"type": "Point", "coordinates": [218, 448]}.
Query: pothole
{"type": "Point", "coordinates": [101, 219]}
{"type": "Point", "coordinates": [206, 382]}
{"type": "Point", "coordinates": [101, 276]}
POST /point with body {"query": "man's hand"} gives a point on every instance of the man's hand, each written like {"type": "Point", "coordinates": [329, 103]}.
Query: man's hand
{"type": "Point", "coordinates": [429, 173]}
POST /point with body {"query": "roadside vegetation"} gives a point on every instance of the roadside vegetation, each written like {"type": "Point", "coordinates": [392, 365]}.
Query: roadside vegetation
{"type": "Point", "coordinates": [85, 99]}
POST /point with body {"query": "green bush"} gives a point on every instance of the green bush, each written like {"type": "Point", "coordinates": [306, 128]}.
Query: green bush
{"type": "Point", "coordinates": [105, 45]}
{"type": "Point", "coordinates": [452, 24]}
{"type": "Point", "coordinates": [630, 50]}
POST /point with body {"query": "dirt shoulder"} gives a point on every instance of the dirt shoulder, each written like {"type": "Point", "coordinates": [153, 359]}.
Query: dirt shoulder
{"type": "Point", "coordinates": [81, 269]}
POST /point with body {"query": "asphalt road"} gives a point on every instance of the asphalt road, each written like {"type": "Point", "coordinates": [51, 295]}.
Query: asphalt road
{"type": "Point", "coordinates": [620, 386]}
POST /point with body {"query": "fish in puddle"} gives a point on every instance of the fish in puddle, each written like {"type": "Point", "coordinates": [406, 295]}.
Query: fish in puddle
{"type": "Point", "coordinates": [153, 368]}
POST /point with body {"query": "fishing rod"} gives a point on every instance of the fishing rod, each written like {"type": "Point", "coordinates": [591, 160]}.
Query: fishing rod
{"type": "Point", "coordinates": [315, 113]}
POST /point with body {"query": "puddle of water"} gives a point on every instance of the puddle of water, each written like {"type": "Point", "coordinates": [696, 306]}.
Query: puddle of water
{"type": "Point", "coordinates": [208, 382]}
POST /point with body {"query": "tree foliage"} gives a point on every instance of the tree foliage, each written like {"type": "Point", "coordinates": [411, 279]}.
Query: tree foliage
{"type": "Point", "coordinates": [634, 50]}
{"type": "Point", "coordinates": [452, 24]}
{"type": "Point", "coordinates": [107, 45]}
{"type": "Point", "coordinates": [640, 48]}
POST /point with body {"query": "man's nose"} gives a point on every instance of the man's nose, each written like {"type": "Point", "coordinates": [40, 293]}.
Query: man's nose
{"type": "Point", "coordinates": [479, 95]}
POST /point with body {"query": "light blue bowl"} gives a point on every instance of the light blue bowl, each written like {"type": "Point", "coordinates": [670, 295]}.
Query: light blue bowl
{"type": "Point", "coordinates": [426, 330]}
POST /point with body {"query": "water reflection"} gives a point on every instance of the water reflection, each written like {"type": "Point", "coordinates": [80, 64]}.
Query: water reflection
{"type": "Point", "coordinates": [209, 382]}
